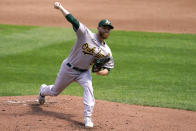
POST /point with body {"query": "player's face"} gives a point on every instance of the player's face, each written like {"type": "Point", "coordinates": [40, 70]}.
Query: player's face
{"type": "Point", "coordinates": [104, 31]}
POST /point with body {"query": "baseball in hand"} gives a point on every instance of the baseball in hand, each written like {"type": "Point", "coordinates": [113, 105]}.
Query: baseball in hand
{"type": "Point", "coordinates": [57, 5]}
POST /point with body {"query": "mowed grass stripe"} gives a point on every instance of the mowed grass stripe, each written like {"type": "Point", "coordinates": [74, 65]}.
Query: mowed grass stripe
{"type": "Point", "coordinates": [15, 39]}
{"type": "Point", "coordinates": [156, 69]}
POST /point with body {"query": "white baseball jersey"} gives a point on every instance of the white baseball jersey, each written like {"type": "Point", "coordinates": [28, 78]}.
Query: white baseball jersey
{"type": "Point", "coordinates": [88, 47]}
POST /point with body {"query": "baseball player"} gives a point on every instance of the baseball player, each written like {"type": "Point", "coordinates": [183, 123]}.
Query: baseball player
{"type": "Point", "coordinates": [89, 49]}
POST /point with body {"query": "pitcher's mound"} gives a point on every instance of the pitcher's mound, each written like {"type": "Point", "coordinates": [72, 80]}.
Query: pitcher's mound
{"type": "Point", "coordinates": [66, 113]}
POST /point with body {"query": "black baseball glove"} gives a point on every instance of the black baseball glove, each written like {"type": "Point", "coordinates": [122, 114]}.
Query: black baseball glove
{"type": "Point", "coordinates": [99, 63]}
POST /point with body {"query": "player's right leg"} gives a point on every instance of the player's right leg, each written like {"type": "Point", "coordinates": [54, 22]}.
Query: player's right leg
{"type": "Point", "coordinates": [63, 79]}
{"type": "Point", "coordinates": [85, 80]}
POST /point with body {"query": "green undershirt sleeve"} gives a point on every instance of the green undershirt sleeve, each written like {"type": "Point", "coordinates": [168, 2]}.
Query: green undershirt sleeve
{"type": "Point", "coordinates": [73, 21]}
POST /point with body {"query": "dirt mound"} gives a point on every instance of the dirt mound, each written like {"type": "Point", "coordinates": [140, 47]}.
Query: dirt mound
{"type": "Point", "coordinates": [66, 113]}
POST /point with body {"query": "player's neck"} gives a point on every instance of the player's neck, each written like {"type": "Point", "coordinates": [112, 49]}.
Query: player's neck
{"type": "Point", "coordinates": [101, 40]}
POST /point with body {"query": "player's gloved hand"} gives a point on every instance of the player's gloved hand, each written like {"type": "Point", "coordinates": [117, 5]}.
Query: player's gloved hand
{"type": "Point", "coordinates": [95, 68]}
{"type": "Point", "coordinates": [99, 63]}
{"type": "Point", "coordinates": [57, 5]}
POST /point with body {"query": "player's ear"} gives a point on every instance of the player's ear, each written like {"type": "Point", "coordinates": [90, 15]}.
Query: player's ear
{"type": "Point", "coordinates": [98, 28]}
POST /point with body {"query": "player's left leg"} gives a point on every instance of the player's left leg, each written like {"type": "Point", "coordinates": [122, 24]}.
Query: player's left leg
{"type": "Point", "coordinates": [64, 78]}
{"type": "Point", "coordinates": [85, 80]}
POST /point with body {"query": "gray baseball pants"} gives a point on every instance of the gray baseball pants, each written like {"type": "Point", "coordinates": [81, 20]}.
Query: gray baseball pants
{"type": "Point", "coordinates": [65, 77]}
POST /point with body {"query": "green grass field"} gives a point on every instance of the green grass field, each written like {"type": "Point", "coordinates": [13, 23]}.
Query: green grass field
{"type": "Point", "coordinates": [154, 69]}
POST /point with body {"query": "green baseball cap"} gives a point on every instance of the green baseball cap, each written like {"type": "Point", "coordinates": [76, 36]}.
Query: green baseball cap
{"type": "Point", "coordinates": [105, 22]}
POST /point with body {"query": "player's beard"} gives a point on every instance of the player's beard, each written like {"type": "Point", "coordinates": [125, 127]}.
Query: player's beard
{"type": "Point", "coordinates": [104, 35]}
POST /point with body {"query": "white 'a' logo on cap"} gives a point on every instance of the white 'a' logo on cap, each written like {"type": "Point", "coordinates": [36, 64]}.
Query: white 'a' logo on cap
{"type": "Point", "coordinates": [107, 22]}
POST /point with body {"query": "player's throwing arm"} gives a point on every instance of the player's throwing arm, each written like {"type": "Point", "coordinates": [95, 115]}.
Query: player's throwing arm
{"type": "Point", "coordinates": [57, 5]}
